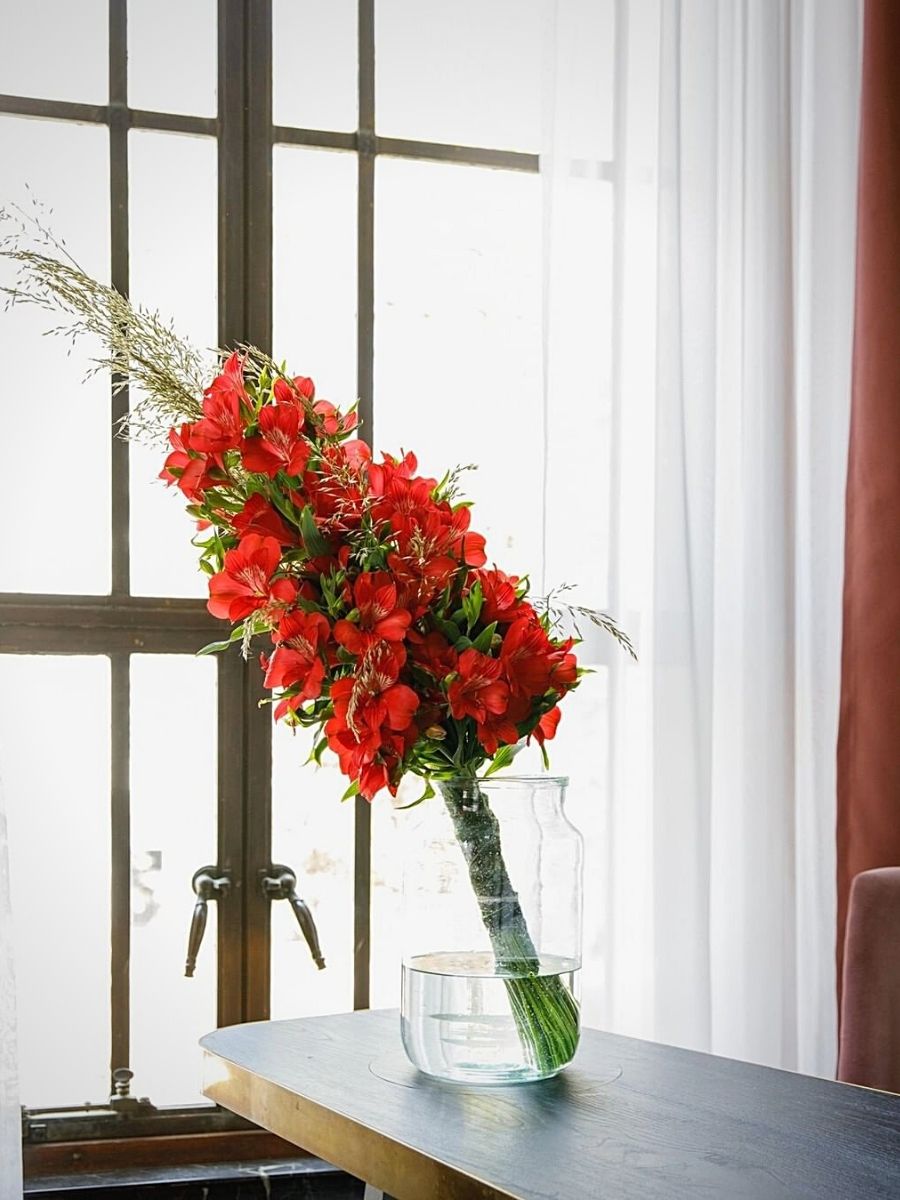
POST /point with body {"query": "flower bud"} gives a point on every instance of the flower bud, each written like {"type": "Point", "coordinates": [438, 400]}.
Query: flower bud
{"type": "Point", "coordinates": [437, 733]}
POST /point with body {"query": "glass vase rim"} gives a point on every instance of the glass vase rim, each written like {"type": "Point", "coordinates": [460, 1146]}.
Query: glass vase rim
{"type": "Point", "coordinates": [507, 780]}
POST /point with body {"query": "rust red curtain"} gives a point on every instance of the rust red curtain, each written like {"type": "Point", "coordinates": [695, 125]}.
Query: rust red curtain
{"type": "Point", "coordinates": [868, 811]}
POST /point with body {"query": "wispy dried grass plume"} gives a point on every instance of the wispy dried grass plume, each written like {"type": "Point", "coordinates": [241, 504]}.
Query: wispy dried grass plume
{"type": "Point", "coordinates": [139, 347]}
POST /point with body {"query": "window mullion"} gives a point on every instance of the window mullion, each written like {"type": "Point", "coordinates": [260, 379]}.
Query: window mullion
{"type": "Point", "coordinates": [118, 216]}
{"type": "Point", "coordinates": [258, 330]}
{"type": "Point", "coordinates": [365, 354]}
{"type": "Point", "coordinates": [120, 788]}
{"type": "Point", "coordinates": [120, 864]}
{"type": "Point", "coordinates": [245, 315]}
{"type": "Point", "coordinates": [230, 853]}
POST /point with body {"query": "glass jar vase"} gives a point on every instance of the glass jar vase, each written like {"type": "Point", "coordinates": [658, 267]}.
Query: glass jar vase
{"type": "Point", "coordinates": [492, 897]}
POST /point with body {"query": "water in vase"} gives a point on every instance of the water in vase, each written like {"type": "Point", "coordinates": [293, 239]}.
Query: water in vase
{"type": "Point", "coordinates": [457, 1016]}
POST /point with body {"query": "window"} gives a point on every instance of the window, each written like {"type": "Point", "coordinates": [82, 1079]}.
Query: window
{"type": "Point", "coordinates": [257, 171]}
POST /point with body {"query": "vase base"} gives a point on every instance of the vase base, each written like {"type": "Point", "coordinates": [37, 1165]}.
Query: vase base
{"type": "Point", "coordinates": [399, 1069]}
{"type": "Point", "coordinates": [464, 1022]}
{"type": "Point", "coordinates": [476, 1076]}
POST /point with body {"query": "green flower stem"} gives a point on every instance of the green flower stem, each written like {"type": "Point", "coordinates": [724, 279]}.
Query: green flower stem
{"type": "Point", "coordinates": [545, 1012]}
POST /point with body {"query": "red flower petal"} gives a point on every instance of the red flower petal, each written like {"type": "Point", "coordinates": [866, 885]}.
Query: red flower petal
{"type": "Point", "coordinates": [401, 702]}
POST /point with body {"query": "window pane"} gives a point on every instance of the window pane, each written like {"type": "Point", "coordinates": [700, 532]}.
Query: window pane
{"type": "Point", "coordinates": [314, 64]}
{"type": "Point", "coordinates": [173, 832]}
{"type": "Point", "coordinates": [460, 71]}
{"type": "Point", "coordinates": [172, 195]}
{"type": "Point", "coordinates": [315, 267]}
{"type": "Point", "coordinates": [388, 834]}
{"type": "Point", "coordinates": [172, 56]}
{"type": "Point", "coordinates": [54, 770]}
{"type": "Point", "coordinates": [40, 38]}
{"type": "Point", "coordinates": [312, 833]}
{"type": "Point", "coordinates": [457, 339]}
{"type": "Point", "coordinates": [67, 485]}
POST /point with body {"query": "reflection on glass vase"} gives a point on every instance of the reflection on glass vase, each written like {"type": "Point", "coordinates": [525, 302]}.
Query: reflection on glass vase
{"type": "Point", "coordinates": [492, 931]}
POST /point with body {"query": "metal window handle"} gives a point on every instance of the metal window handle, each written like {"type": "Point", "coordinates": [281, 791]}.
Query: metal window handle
{"type": "Point", "coordinates": [280, 883]}
{"type": "Point", "coordinates": [208, 885]}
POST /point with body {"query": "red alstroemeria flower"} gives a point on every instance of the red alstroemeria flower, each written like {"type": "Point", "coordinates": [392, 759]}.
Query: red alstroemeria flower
{"type": "Point", "coordinates": [189, 472]}
{"type": "Point", "coordinates": [294, 392]}
{"type": "Point", "coordinates": [402, 498]}
{"type": "Point", "coordinates": [372, 778]}
{"type": "Point", "coordinates": [380, 617]}
{"type": "Point", "coordinates": [331, 421]}
{"type": "Point", "coordinates": [433, 652]}
{"type": "Point", "coordinates": [432, 540]}
{"type": "Point", "coordinates": [502, 728]}
{"type": "Point", "coordinates": [564, 668]}
{"type": "Point", "coordinates": [384, 771]}
{"type": "Point", "coordinates": [246, 583]}
{"type": "Point", "coordinates": [336, 488]}
{"type": "Point", "coordinates": [372, 720]}
{"type": "Point", "coordinates": [259, 516]}
{"type": "Point", "coordinates": [221, 426]}
{"type": "Point", "coordinates": [300, 640]}
{"type": "Point", "coordinates": [532, 662]}
{"type": "Point", "coordinates": [501, 603]}
{"type": "Point", "coordinates": [547, 726]}
{"type": "Point", "coordinates": [477, 690]}
{"type": "Point", "coordinates": [473, 554]}
{"type": "Point", "coordinates": [357, 453]}
{"type": "Point", "coordinates": [381, 474]}
{"type": "Point", "coordinates": [359, 699]}
{"type": "Point", "coordinates": [526, 656]}
{"type": "Point", "coordinates": [278, 446]}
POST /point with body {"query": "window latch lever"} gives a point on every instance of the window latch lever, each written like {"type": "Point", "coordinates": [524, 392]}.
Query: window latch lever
{"type": "Point", "coordinates": [280, 883]}
{"type": "Point", "coordinates": [208, 884]}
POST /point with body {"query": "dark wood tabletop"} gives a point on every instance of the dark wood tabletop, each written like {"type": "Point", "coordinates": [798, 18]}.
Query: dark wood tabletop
{"type": "Point", "coordinates": [628, 1119]}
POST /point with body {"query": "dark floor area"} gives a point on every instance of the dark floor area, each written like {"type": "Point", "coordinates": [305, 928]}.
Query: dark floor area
{"type": "Point", "coordinates": [307, 1179]}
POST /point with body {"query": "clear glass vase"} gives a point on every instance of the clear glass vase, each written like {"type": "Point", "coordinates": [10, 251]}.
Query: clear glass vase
{"type": "Point", "coordinates": [492, 903]}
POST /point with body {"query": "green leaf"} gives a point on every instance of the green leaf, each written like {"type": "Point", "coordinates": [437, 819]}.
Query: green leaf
{"type": "Point", "coordinates": [352, 790]}
{"type": "Point", "coordinates": [282, 503]}
{"type": "Point", "coordinates": [315, 755]}
{"type": "Point", "coordinates": [483, 642]}
{"type": "Point", "coordinates": [215, 647]}
{"type": "Point", "coordinates": [315, 544]}
{"type": "Point", "coordinates": [503, 758]}
{"type": "Point", "coordinates": [500, 760]}
{"type": "Point", "coordinates": [207, 567]}
{"type": "Point", "coordinates": [319, 749]}
{"type": "Point", "coordinates": [473, 604]}
{"type": "Point", "coordinates": [426, 795]}
{"type": "Point", "coordinates": [449, 629]}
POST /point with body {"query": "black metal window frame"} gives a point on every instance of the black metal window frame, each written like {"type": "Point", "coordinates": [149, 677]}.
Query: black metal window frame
{"type": "Point", "coordinates": [119, 624]}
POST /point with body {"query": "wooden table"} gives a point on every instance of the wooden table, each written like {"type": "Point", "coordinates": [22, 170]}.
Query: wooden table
{"type": "Point", "coordinates": [628, 1119]}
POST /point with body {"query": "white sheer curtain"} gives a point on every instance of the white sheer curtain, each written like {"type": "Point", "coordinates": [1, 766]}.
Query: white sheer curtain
{"type": "Point", "coordinates": [10, 1118]}
{"type": "Point", "coordinates": [699, 286]}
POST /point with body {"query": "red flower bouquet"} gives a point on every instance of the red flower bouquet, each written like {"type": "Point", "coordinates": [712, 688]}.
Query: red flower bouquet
{"type": "Point", "coordinates": [378, 620]}
{"type": "Point", "coordinates": [384, 628]}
